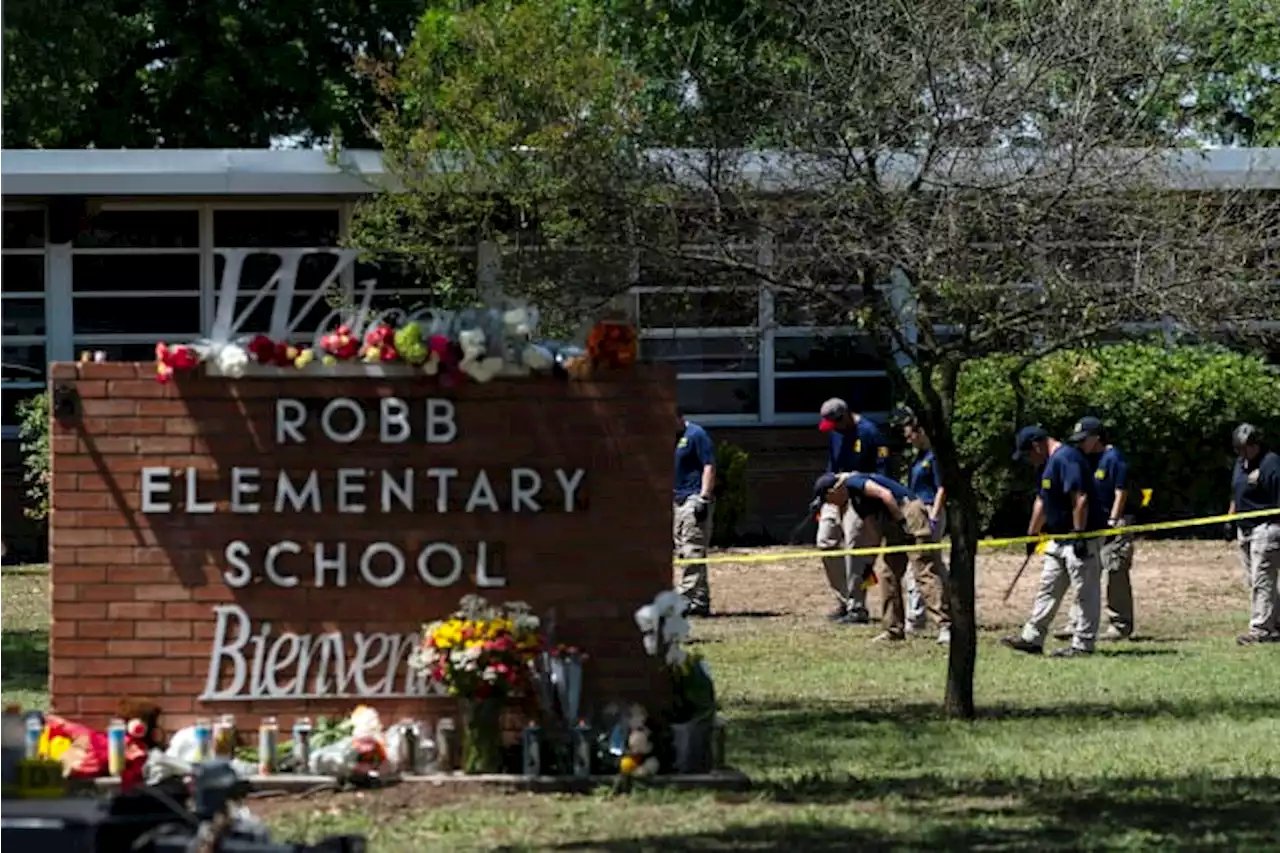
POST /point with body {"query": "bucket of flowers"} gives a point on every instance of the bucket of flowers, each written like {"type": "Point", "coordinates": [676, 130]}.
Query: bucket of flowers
{"type": "Point", "coordinates": [482, 655]}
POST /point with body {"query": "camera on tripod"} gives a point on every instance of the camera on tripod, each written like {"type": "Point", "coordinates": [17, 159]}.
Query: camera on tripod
{"type": "Point", "coordinates": [164, 818]}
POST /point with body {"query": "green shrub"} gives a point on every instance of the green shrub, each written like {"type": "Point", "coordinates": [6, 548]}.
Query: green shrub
{"type": "Point", "coordinates": [1170, 409]}
{"type": "Point", "coordinates": [731, 493]}
{"type": "Point", "coordinates": [33, 434]}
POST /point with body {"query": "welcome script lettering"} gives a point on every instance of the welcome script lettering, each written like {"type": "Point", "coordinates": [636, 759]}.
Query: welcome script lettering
{"type": "Point", "coordinates": [250, 662]}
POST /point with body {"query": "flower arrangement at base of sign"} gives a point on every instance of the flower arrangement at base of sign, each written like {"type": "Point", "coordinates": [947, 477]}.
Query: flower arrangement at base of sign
{"type": "Point", "coordinates": [476, 344]}
{"type": "Point", "coordinates": [687, 724]}
{"type": "Point", "coordinates": [482, 655]}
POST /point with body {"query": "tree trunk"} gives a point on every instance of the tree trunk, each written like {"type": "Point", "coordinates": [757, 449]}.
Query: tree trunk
{"type": "Point", "coordinates": [962, 521]}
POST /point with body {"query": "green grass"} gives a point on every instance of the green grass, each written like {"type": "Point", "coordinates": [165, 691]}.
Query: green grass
{"type": "Point", "coordinates": [24, 646]}
{"type": "Point", "coordinates": [1168, 744]}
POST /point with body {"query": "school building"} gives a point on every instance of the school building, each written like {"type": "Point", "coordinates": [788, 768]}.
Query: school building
{"type": "Point", "coordinates": [115, 250]}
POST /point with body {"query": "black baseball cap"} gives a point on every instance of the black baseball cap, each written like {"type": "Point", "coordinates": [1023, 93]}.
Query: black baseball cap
{"type": "Point", "coordinates": [1027, 436]}
{"type": "Point", "coordinates": [824, 484]}
{"type": "Point", "coordinates": [1085, 427]}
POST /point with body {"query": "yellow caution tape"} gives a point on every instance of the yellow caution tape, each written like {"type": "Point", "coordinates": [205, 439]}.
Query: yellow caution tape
{"type": "Point", "coordinates": [982, 543]}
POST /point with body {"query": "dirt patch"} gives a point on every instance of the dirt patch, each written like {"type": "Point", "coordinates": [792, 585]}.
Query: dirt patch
{"type": "Point", "coordinates": [1170, 579]}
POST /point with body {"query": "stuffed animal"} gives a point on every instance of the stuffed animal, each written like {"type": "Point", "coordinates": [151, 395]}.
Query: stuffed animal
{"type": "Point", "coordinates": [639, 759]}
{"type": "Point", "coordinates": [367, 739]}
{"type": "Point", "coordinates": [476, 361]}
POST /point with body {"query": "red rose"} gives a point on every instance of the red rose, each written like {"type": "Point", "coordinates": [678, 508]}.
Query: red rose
{"type": "Point", "coordinates": [262, 349]}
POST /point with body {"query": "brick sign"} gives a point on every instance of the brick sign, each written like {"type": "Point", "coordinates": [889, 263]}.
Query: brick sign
{"type": "Point", "coordinates": [273, 546]}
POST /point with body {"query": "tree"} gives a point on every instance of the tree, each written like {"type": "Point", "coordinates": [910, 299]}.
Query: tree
{"type": "Point", "coordinates": [954, 178]}
{"type": "Point", "coordinates": [170, 73]}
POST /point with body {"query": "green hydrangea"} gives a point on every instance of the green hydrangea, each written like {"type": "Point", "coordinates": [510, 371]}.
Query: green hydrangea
{"type": "Point", "coordinates": [409, 344]}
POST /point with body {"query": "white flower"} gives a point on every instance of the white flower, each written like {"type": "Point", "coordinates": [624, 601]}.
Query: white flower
{"type": "Point", "coordinates": [646, 618]}
{"type": "Point", "coordinates": [232, 359]}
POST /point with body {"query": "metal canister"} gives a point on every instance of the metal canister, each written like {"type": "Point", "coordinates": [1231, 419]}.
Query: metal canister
{"type": "Point", "coordinates": [302, 743]}
{"type": "Point", "coordinates": [448, 745]}
{"type": "Point", "coordinates": [582, 750]}
{"type": "Point", "coordinates": [268, 737]}
{"type": "Point", "coordinates": [224, 736]}
{"type": "Point", "coordinates": [532, 749]}
{"type": "Point", "coordinates": [718, 732]}
{"type": "Point", "coordinates": [115, 747]}
{"type": "Point", "coordinates": [204, 740]}
{"type": "Point", "coordinates": [35, 729]}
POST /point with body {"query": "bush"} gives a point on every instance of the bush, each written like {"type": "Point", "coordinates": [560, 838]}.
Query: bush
{"type": "Point", "coordinates": [1171, 410]}
{"type": "Point", "coordinates": [33, 434]}
{"type": "Point", "coordinates": [731, 493]}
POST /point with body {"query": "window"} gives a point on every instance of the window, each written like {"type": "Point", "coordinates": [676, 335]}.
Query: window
{"type": "Point", "coordinates": [276, 229]}
{"type": "Point", "coordinates": [25, 325]}
{"type": "Point", "coordinates": [24, 377]}
{"type": "Point", "coordinates": [135, 279]}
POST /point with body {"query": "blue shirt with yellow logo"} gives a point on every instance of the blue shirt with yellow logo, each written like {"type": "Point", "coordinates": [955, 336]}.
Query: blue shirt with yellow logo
{"type": "Point", "coordinates": [694, 451]}
{"type": "Point", "coordinates": [1066, 472]}
{"type": "Point", "coordinates": [859, 448]}
{"type": "Point", "coordinates": [924, 480]}
{"type": "Point", "coordinates": [1110, 475]}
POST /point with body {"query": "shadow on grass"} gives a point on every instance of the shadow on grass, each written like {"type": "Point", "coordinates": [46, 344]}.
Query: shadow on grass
{"type": "Point", "coordinates": [1030, 814]}
{"type": "Point", "coordinates": [24, 660]}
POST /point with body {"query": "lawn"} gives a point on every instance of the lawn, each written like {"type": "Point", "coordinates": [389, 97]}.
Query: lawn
{"type": "Point", "coordinates": [1170, 742]}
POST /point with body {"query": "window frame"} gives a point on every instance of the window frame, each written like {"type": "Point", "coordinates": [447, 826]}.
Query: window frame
{"type": "Point", "coordinates": [10, 431]}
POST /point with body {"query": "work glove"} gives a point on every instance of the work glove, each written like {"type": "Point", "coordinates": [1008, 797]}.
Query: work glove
{"type": "Point", "coordinates": [1080, 547]}
{"type": "Point", "coordinates": [1031, 548]}
{"type": "Point", "coordinates": [1229, 531]}
{"type": "Point", "coordinates": [701, 509]}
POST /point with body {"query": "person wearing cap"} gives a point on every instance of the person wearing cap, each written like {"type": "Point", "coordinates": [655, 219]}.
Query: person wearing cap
{"type": "Point", "coordinates": [925, 482]}
{"type": "Point", "coordinates": [692, 510]}
{"type": "Point", "coordinates": [1062, 506]}
{"type": "Point", "coordinates": [1110, 492]}
{"type": "Point", "coordinates": [1255, 487]}
{"type": "Point", "coordinates": [856, 445]}
{"type": "Point", "coordinates": [890, 512]}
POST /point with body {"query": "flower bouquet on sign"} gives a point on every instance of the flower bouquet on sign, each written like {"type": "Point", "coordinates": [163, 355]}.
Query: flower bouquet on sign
{"type": "Point", "coordinates": [482, 655]}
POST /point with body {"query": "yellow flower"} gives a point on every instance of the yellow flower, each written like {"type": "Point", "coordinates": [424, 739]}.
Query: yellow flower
{"type": "Point", "coordinates": [329, 361]}
{"type": "Point", "coordinates": [628, 765]}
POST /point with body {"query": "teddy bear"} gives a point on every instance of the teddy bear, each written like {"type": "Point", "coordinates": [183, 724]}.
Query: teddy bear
{"type": "Point", "coordinates": [476, 361]}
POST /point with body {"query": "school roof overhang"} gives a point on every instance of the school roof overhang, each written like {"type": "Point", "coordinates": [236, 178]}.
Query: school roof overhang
{"type": "Point", "coordinates": [241, 172]}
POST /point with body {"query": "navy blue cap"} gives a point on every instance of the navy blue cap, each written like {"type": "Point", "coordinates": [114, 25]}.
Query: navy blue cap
{"type": "Point", "coordinates": [1027, 436]}
{"type": "Point", "coordinates": [1084, 428]}
{"type": "Point", "coordinates": [824, 484]}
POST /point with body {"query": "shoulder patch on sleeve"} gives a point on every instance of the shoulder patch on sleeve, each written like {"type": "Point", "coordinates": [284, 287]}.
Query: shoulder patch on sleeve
{"type": "Point", "coordinates": [1046, 483]}
{"type": "Point", "coordinates": [884, 453]}
{"type": "Point", "coordinates": [1100, 474]}
{"type": "Point", "coordinates": [857, 445]}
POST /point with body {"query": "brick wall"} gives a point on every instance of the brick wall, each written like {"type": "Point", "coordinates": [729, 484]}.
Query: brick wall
{"type": "Point", "coordinates": [134, 592]}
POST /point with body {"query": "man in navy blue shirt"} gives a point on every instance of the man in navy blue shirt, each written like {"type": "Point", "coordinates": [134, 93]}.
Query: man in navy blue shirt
{"type": "Point", "coordinates": [1255, 487]}
{"type": "Point", "coordinates": [890, 512]}
{"type": "Point", "coordinates": [1062, 506]}
{"type": "Point", "coordinates": [925, 482]}
{"type": "Point", "coordinates": [692, 510]}
{"type": "Point", "coordinates": [1110, 492]}
{"type": "Point", "coordinates": [856, 445]}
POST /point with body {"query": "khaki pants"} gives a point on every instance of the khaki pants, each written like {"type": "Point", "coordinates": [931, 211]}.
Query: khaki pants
{"type": "Point", "coordinates": [916, 610]}
{"type": "Point", "coordinates": [691, 539]}
{"type": "Point", "coordinates": [1260, 558]}
{"type": "Point", "coordinates": [926, 566]}
{"type": "Point", "coordinates": [1062, 570]}
{"type": "Point", "coordinates": [840, 528]}
{"type": "Point", "coordinates": [1117, 560]}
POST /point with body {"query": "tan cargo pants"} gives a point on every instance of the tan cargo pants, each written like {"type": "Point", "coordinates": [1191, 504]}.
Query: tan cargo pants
{"type": "Point", "coordinates": [1063, 570]}
{"type": "Point", "coordinates": [1117, 560]}
{"type": "Point", "coordinates": [1260, 559]}
{"type": "Point", "coordinates": [917, 612]}
{"type": "Point", "coordinates": [840, 528]}
{"type": "Point", "coordinates": [925, 566]}
{"type": "Point", "coordinates": [691, 538]}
